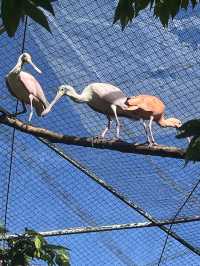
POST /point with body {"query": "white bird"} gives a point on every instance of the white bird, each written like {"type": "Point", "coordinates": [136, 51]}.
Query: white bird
{"type": "Point", "coordinates": [25, 87]}
{"type": "Point", "coordinates": [101, 97]}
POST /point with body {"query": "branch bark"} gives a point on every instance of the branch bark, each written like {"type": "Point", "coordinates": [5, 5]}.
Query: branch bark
{"type": "Point", "coordinates": [121, 146]}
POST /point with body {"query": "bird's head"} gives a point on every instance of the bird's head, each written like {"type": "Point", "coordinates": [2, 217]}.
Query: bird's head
{"type": "Point", "coordinates": [65, 90]}
{"type": "Point", "coordinates": [26, 58]}
{"type": "Point", "coordinates": [62, 90]}
{"type": "Point", "coordinates": [174, 122]}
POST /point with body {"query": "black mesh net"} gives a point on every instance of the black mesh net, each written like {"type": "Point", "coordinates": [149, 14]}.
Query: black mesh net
{"type": "Point", "coordinates": [42, 190]}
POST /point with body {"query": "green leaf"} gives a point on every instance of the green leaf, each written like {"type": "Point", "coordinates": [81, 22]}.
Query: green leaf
{"type": "Point", "coordinates": [162, 11]}
{"type": "Point", "coordinates": [188, 129]}
{"type": "Point", "coordinates": [62, 258]}
{"type": "Point", "coordinates": [194, 2]}
{"type": "Point", "coordinates": [11, 11]}
{"type": "Point", "coordinates": [37, 242]}
{"type": "Point", "coordinates": [140, 5]}
{"type": "Point", "coordinates": [193, 150]}
{"type": "Point", "coordinates": [184, 4]}
{"type": "Point", "coordinates": [124, 12]}
{"type": "Point", "coordinates": [174, 6]}
{"type": "Point", "coordinates": [37, 15]}
{"type": "Point", "coordinates": [46, 4]}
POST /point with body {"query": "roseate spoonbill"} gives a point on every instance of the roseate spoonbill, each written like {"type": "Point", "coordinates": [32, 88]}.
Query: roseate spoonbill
{"type": "Point", "coordinates": [151, 108]}
{"type": "Point", "coordinates": [101, 97]}
{"type": "Point", "coordinates": [25, 87]}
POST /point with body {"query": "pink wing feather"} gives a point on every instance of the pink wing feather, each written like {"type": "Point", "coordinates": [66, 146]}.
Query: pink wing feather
{"type": "Point", "coordinates": [32, 86]}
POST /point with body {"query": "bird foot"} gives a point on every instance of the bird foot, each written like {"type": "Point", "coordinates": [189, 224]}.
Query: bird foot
{"type": "Point", "coordinates": [155, 144]}
{"type": "Point", "coordinates": [117, 139]}
{"type": "Point", "coordinates": [99, 137]}
{"type": "Point", "coordinates": [151, 144]}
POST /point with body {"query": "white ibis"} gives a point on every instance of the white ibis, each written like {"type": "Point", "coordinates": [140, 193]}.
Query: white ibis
{"type": "Point", "coordinates": [101, 97]}
{"type": "Point", "coordinates": [25, 87]}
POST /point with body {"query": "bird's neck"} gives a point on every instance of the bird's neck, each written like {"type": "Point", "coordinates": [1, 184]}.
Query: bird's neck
{"type": "Point", "coordinates": [17, 69]}
{"type": "Point", "coordinates": [79, 98]}
{"type": "Point", "coordinates": [163, 122]}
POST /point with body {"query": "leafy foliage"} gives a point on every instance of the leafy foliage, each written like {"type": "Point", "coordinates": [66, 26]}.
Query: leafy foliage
{"type": "Point", "coordinates": [163, 9]}
{"type": "Point", "coordinates": [12, 11]}
{"type": "Point", "coordinates": [31, 245]}
{"type": "Point", "coordinates": [191, 129]}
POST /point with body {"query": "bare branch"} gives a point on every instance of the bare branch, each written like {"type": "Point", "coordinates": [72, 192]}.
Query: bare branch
{"type": "Point", "coordinates": [163, 151]}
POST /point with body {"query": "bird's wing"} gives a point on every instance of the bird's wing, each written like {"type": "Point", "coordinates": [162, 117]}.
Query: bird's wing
{"type": "Point", "coordinates": [109, 93]}
{"type": "Point", "coordinates": [8, 86]}
{"type": "Point", "coordinates": [138, 102]}
{"type": "Point", "coordinates": [33, 87]}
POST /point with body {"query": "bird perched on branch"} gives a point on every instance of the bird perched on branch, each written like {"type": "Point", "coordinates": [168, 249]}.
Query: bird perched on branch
{"type": "Point", "coordinates": [25, 87]}
{"type": "Point", "coordinates": [151, 108]}
{"type": "Point", "coordinates": [101, 97]}
{"type": "Point", "coordinates": [111, 101]}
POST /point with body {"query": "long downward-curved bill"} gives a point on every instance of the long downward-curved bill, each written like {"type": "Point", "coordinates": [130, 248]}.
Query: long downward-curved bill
{"type": "Point", "coordinates": [35, 67]}
{"type": "Point", "coordinates": [48, 109]}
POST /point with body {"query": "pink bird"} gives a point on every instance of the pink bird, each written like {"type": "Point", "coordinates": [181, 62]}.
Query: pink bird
{"type": "Point", "coordinates": [151, 108]}
{"type": "Point", "coordinates": [26, 88]}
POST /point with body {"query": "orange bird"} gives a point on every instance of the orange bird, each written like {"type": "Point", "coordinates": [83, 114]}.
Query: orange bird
{"type": "Point", "coordinates": [151, 108]}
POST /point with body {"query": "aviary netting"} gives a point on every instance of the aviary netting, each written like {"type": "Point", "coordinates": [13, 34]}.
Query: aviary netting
{"type": "Point", "coordinates": [51, 187]}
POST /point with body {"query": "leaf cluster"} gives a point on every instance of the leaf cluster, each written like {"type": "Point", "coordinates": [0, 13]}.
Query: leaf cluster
{"type": "Point", "coordinates": [191, 129]}
{"type": "Point", "coordinates": [31, 245]}
{"type": "Point", "coordinates": [12, 11]}
{"type": "Point", "coordinates": [163, 9]}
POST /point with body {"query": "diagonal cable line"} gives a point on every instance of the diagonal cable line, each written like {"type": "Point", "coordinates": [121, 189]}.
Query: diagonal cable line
{"type": "Point", "coordinates": [177, 213]}
{"type": "Point", "coordinates": [13, 137]}
{"type": "Point", "coordinates": [117, 193]}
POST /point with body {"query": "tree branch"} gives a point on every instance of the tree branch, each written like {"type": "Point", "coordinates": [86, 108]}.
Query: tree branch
{"type": "Point", "coordinates": [163, 151]}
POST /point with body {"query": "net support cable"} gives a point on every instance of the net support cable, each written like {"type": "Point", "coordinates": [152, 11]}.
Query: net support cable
{"type": "Point", "coordinates": [117, 194]}
{"type": "Point", "coordinates": [13, 138]}
{"type": "Point", "coordinates": [104, 228]}
{"type": "Point", "coordinates": [177, 213]}
{"type": "Point", "coordinates": [153, 221]}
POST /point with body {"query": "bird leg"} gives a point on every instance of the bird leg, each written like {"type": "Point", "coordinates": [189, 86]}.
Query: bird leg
{"type": "Point", "coordinates": [146, 130]}
{"type": "Point", "coordinates": [152, 140]}
{"type": "Point", "coordinates": [21, 112]}
{"type": "Point", "coordinates": [102, 135]}
{"type": "Point", "coordinates": [31, 103]}
{"type": "Point", "coordinates": [114, 108]}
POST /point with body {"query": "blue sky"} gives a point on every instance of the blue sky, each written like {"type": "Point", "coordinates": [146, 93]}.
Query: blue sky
{"type": "Point", "coordinates": [47, 192]}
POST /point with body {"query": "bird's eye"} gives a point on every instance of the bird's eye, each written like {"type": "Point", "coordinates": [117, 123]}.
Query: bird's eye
{"type": "Point", "coordinates": [25, 59]}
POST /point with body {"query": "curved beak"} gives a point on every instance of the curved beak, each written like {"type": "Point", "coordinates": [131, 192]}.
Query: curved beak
{"type": "Point", "coordinates": [35, 67]}
{"type": "Point", "coordinates": [48, 109]}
